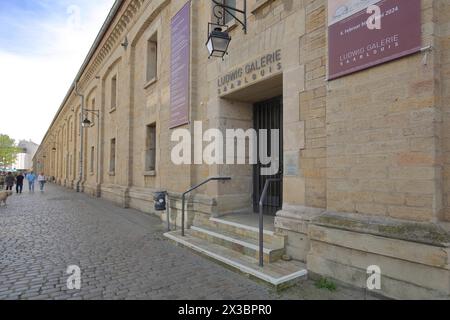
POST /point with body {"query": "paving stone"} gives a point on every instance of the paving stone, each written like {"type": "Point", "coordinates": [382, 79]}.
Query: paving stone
{"type": "Point", "coordinates": [122, 255]}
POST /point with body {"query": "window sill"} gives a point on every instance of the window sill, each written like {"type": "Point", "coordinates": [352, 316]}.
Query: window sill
{"type": "Point", "coordinates": [150, 173]}
{"type": "Point", "coordinates": [232, 24]}
{"type": "Point", "coordinates": [150, 83]}
{"type": "Point", "coordinates": [113, 110]}
{"type": "Point", "coordinates": [259, 4]}
{"type": "Point", "coordinates": [112, 174]}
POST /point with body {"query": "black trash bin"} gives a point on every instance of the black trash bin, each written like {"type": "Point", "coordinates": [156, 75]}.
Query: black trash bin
{"type": "Point", "coordinates": [160, 200]}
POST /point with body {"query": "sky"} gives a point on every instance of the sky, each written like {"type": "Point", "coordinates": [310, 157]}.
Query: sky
{"type": "Point", "coordinates": [43, 44]}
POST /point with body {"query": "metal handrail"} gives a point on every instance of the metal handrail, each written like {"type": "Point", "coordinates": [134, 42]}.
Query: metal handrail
{"type": "Point", "coordinates": [261, 220]}
{"type": "Point", "coordinates": [192, 189]}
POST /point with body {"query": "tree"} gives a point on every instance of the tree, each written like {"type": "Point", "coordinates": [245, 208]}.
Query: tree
{"type": "Point", "coordinates": [8, 151]}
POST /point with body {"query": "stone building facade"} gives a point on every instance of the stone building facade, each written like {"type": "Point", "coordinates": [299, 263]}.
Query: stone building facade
{"type": "Point", "coordinates": [24, 159]}
{"type": "Point", "coordinates": [365, 179]}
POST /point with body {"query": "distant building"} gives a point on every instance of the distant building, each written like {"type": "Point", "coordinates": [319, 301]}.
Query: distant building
{"type": "Point", "coordinates": [25, 158]}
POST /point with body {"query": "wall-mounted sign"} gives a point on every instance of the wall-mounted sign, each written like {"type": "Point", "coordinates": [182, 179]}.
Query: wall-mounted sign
{"type": "Point", "coordinates": [179, 62]}
{"type": "Point", "coordinates": [291, 164]}
{"type": "Point", "coordinates": [365, 33]}
{"type": "Point", "coordinates": [260, 68]}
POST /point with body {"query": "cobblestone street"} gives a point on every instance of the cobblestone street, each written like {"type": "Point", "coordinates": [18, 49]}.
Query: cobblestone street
{"type": "Point", "coordinates": [122, 255]}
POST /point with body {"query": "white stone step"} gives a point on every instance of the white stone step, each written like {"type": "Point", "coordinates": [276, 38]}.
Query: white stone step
{"type": "Point", "coordinates": [278, 274]}
{"type": "Point", "coordinates": [248, 232]}
{"type": "Point", "coordinates": [238, 243]}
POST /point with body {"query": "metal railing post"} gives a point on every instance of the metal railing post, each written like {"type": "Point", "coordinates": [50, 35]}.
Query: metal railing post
{"type": "Point", "coordinates": [183, 199]}
{"type": "Point", "coordinates": [168, 211]}
{"type": "Point", "coordinates": [182, 214]}
{"type": "Point", "coordinates": [261, 220]}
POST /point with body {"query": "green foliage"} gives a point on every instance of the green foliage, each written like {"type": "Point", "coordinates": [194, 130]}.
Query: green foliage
{"type": "Point", "coordinates": [324, 283]}
{"type": "Point", "coordinates": [8, 151]}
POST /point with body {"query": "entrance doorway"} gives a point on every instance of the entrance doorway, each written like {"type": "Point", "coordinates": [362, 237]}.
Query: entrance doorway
{"type": "Point", "coordinates": [269, 115]}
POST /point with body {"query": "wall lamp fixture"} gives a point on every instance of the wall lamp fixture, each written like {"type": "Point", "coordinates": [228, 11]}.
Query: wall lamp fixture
{"type": "Point", "coordinates": [88, 123]}
{"type": "Point", "coordinates": [218, 36]}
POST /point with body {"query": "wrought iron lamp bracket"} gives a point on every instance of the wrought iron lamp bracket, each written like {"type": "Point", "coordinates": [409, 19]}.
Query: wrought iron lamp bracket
{"type": "Point", "coordinates": [94, 112]}
{"type": "Point", "coordinates": [221, 14]}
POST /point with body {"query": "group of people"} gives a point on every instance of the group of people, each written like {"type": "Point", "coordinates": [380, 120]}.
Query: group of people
{"type": "Point", "coordinates": [9, 180]}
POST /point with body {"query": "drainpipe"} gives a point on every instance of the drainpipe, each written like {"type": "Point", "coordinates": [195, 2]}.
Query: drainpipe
{"type": "Point", "coordinates": [81, 136]}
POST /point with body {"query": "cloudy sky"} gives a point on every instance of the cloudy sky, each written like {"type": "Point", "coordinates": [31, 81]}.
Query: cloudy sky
{"type": "Point", "coordinates": [42, 46]}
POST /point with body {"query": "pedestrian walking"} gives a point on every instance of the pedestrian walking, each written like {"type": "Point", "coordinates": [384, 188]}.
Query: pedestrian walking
{"type": "Point", "coordinates": [42, 180]}
{"type": "Point", "coordinates": [19, 183]}
{"type": "Point", "coordinates": [10, 181]}
{"type": "Point", "coordinates": [31, 177]}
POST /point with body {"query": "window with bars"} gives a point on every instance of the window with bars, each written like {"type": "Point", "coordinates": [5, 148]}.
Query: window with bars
{"type": "Point", "coordinates": [78, 128]}
{"type": "Point", "coordinates": [71, 131]}
{"type": "Point", "coordinates": [112, 157]}
{"type": "Point", "coordinates": [150, 148]}
{"type": "Point", "coordinates": [230, 3]}
{"type": "Point", "coordinates": [228, 17]}
{"type": "Point", "coordinates": [152, 58]}
{"type": "Point", "coordinates": [92, 108]}
{"type": "Point", "coordinates": [114, 92]}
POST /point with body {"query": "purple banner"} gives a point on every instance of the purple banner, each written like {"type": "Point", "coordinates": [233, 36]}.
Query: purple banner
{"type": "Point", "coordinates": [353, 46]}
{"type": "Point", "coordinates": [180, 61]}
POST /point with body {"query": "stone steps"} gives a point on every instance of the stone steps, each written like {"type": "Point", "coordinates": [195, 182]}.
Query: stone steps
{"type": "Point", "coordinates": [247, 232]}
{"type": "Point", "coordinates": [239, 243]}
{"type": "Point", "coordinates": [279, 274]}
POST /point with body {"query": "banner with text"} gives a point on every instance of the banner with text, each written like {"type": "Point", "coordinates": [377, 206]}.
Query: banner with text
{"type": "Point", "coordinates": [366, 33]}
{"type": "Point", "coordinates": [179, 64]}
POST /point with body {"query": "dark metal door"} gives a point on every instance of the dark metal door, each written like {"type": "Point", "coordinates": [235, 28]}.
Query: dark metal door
{"type": "Point", "coordinates": [269, 115]}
